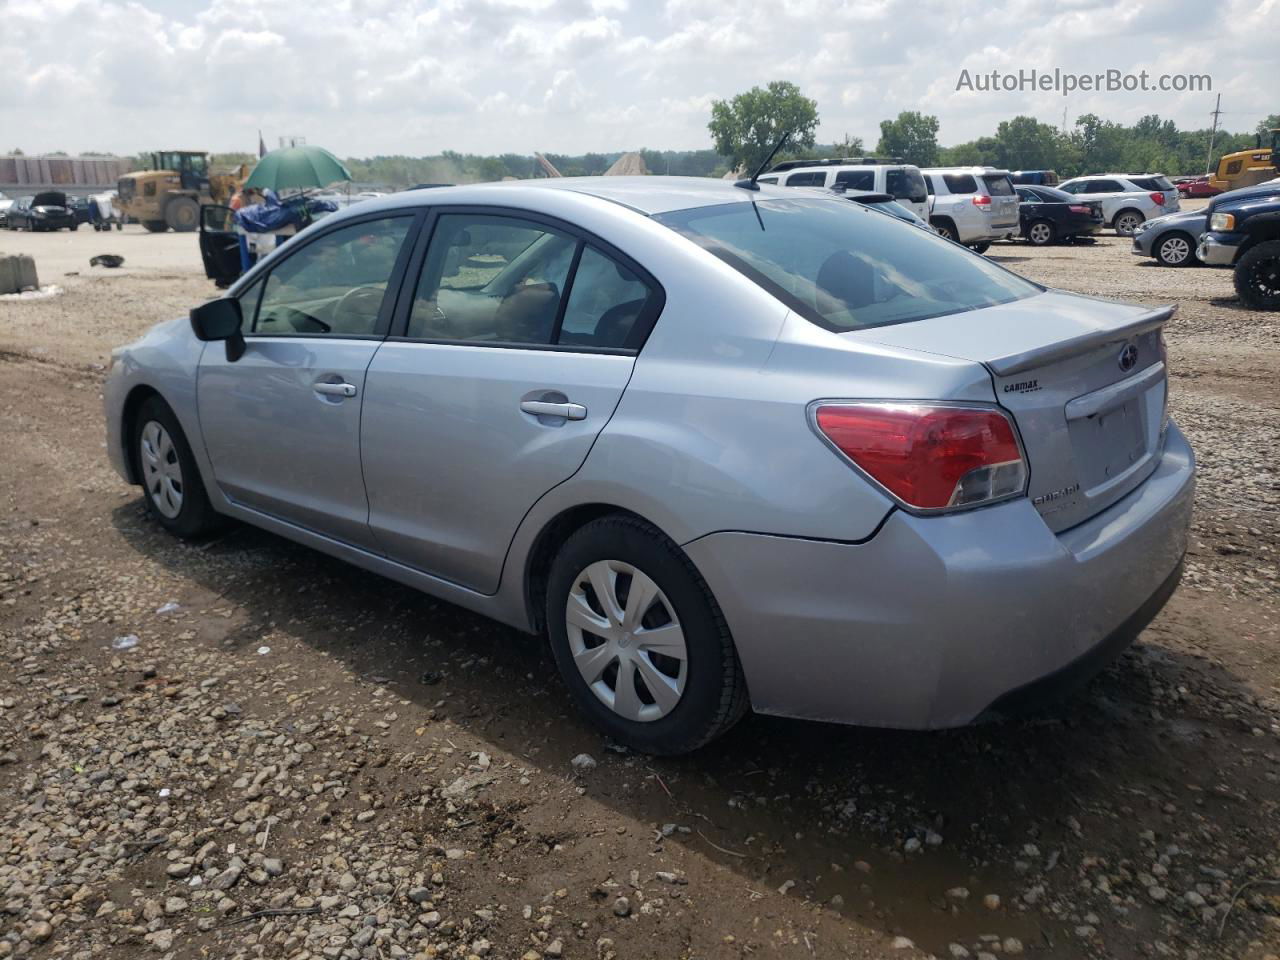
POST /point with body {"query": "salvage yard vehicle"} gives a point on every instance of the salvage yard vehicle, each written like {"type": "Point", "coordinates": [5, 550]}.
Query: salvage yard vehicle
{"type": "Point", "coordinates": [1171, 239]}
{"type": "Point", "coordinates": [1127, 199]}
{"type": "Point", "coordinates": [169, 195]}
{"type": "Point", "coordinates": [726, 446]}
{"type": "Point", "coordinates": [1245, 234]}
{"type": "Point", "coordinates": [972, 205]}
{"type": "Point", "coordinates": [1046, 215]}
{"type": "Point", "coordinates": [44, 211]}
{"type": "Point", "coordinates": [902, 181]}
{"type": "Point", "coordinates": [1244, 168]}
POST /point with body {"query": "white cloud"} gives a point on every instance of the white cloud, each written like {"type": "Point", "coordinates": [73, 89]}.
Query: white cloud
{"type": "Point", "coordinates": [420, 76]}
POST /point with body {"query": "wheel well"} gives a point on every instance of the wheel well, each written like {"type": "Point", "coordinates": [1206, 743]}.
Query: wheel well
{"type": "Point", "coordinates": [947, 220]}
{"type": "Point", "coordinates": [132, 404]}
{"type": "Point", "coordinates": [548, 543]}
{"type": "Point", "coordinates": [1120, 213]}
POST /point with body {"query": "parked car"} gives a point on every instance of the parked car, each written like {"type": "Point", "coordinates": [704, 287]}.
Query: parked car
{"type": "Point", "coordinates": [884, 203]}
{"type": "Point", "coordinates": [902, 181]}
{"type": "Point", "coordinates": [1172, 239]}
{"type": "Point", "coordinates": [79, 208]}
{"type": "Point", "coordinates": [1197, 187]}
{"type": "Point", "coordinates": [1043, 178]}
{"type": "Point", "coordinates": [44, 211]}
{"type": "Point", "coordinates": [1126, 199]}
{"type": "Point", "coordinates": [973, 205]}
{"type": "Point", "coordinates": [1047, 215]}
{"type": "Point", "coordinates": [1245, 234]}
{"type": "Point", "coordinates": [714, 443]}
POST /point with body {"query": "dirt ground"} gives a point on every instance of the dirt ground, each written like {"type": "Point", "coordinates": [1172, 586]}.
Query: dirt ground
{"type": "Point", "coordinates": [303, 760]}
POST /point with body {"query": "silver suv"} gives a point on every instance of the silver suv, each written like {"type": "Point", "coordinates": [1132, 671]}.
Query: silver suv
{"type": "Point", "coordinates": [973, 205]}
{"type": "Point", "coordinates": [902, 181]}
{"type": "Point", "coordinates": [1127, 199]}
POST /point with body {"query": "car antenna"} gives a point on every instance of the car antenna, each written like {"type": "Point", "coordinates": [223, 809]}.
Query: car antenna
{"type": "Point", "coordinates": [751, 183]}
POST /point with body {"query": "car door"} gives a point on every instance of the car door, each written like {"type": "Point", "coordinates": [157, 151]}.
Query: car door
{"type": "Point", "coordinates": [1030, 207]}
{"type": "Point", "coordinates": [509, 358]}
{"type": "Point", "coordinates": [219, 244]}
{"type": "Point", "coordinates": [281, 423]}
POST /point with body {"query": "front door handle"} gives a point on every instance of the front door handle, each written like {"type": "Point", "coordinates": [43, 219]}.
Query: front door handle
{"type": "Point", "coordinates": [336, 389]}
{"type": "Point", "coordinates": [545, 408]}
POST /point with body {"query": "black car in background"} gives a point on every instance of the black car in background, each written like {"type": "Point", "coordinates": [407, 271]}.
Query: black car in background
{"type": "Point", "coordinates": [44, 211]}
{"type": "Point", "coordinates": [79, 207]}
{"type": "Point", "coordinates": [1049, 215]}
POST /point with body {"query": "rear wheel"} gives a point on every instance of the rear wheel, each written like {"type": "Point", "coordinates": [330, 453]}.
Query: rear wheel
{"type": "Point", "coordinates": [1041, 233]}
{"type": "Point", "coordinates": [171, 483]}
{"type": "Point", "coordinates": [981, 247]}
{"type": "Point", "coordinates": [183, 214]}
{"type": "Point", "coordinates": [1257, 276]}
{"type": "Point", "coordinates": [155, 226]}
{"type": "Point", "coordinates": [640, 641]}
{"type": "Point", "coordinates": [945, 229]}
{"type": "Point", "coordinates": [1175, 250]}
{"type": "Point", "coordinates": [1127, 221]}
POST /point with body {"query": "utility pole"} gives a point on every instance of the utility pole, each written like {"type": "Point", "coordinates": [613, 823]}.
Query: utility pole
{"type": "Point", "coordinates": [1213, 135]}
{"type": "Point", "coordinates": [1064, 119]}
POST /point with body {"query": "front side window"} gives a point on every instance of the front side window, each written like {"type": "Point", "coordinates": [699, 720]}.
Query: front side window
{"type": "Point", "coordinates": [335, 285]}
{"type": "Point", "coordinates": [844, 267]}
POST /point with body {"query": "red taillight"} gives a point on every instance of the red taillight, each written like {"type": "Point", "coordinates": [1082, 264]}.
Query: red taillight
{"type": "Point", "coordinates": [1158, 198]}
{"type": "Point", "coordinates": [981, 200]}
{"type": "Point", "coordinates": [929, 456]}
{"type": "Point", "coordinates": [1080, 208]}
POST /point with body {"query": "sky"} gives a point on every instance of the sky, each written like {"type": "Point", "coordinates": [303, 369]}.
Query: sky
{"type": "Point", "coordinates": [416, 77]}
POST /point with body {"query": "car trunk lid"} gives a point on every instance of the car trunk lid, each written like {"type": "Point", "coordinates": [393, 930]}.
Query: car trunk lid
{"type": "Point", "coordinates": [1085, 380]}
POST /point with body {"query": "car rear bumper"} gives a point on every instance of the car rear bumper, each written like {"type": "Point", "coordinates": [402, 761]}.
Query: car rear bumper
{"type": "Point", "coordinates": [1219, 249]}
{"type": "Point", "coordinates": [935, 619]}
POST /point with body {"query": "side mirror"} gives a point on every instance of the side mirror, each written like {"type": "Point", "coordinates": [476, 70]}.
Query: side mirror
{"type": "Point", "coordinates": [220, 320]}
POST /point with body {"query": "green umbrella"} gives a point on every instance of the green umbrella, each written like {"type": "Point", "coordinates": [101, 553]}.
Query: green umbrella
{"type": "Point", "coordinates": [297, 168]}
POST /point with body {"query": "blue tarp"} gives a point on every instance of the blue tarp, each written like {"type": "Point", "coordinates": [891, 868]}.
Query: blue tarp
{"type": "Point", "coordinates": [274, 213]}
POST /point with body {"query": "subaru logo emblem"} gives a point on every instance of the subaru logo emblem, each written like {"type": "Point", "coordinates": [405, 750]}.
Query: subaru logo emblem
{"type": "Point", "coordinates": [1128, 357]}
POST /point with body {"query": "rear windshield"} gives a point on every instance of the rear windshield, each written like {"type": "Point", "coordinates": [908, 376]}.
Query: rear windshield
{"type": "Point", "coordinates": [998, 185]}
{"type": "Point", "coordinates": [1151, 183]}
{"type": "Point", "coordinates": [906, 184]}
{"type": "Point", "coordinates": [1054, 195]}
{"type": "Point", "coordinates": [845, 267]}
{"type": "Point", "coordinates": [960, 183]}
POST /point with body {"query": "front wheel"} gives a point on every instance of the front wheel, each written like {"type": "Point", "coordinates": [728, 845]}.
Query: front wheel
{"type": "Point", "coordinates": [1176, 250]}
{"type": "Point", "coordinates": [1257, 276]}
{"type": "Point", "coordinates": [640, 641]}
{"type": "Point", "coordinates": [171, 483]}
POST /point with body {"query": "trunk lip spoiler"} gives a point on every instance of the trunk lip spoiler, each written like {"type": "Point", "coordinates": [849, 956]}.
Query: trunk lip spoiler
{"type": "Point", "coordinates": [1042, 356]}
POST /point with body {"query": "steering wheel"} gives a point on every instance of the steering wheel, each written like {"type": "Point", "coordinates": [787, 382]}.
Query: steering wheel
{"type": "Point", "coordinates": [362, 302]}
{"type": "Point", "coordinates": [300, 321]}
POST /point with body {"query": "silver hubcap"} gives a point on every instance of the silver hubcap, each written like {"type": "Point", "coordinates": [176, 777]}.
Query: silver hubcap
{"type": "Point", "coordinates": [161, 471]}
{"type": "Point", "coordinates": [1040, 233]}
{"type": "Point", "coordinates": [1127, 224]}
{"type": "Point", "coordinates": [626, 641]}
{"type": "Point", "coordinates": [1175, 249]}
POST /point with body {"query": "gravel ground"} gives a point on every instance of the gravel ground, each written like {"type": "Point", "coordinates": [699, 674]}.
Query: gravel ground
{"type": "Point", "coordinates": [242, 748]}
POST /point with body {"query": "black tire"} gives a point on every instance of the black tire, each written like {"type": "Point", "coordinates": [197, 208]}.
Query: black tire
{"type": "Point", "coordinates": [155, 226]}
{"type": "Point", "coordinates": [945, 228]}
{"type": "Point", "coordinates": [1257, 276]}
{"type": "Point", "coordinates": [182, 214]}
{"type": "Point", "coordinates": [715, 692]}
{"type": "Point", "coordinates": [980, 247]}
{"type": "Point", "coordinates": [196, 516]}
{"type": "Point", "coordinates": [75, 227]}
{"type": "Point", "coordinates": [1176, 249]}
{"type": "Point", "coordinates": [1126, 221]}
{"type": "Point", "coordinates": [1042, 233]}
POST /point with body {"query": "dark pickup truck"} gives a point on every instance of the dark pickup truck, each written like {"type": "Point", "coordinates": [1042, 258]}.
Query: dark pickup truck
{"type": "Point", "coordinates": [1243, 231]}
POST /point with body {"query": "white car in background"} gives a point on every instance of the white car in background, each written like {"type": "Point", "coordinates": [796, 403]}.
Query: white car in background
{"type": "Point", "coordinates": [1127, 199]}
{"type": "Point", "coordinates": [973, 205]}
{"type": "Point", "coordinates": [902, 181]}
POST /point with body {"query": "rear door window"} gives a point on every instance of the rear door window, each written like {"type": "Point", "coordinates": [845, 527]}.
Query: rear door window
{"type": "Point", "coordinates": [856, 179]}
{"type": "Point", "coordinates": [960, 183]}
{"type": "Point", "coordinates": [814, 179]}
{"type": "Point", "coordinates": [1103, 186]}
{"type": "Point", "coordinates": [606, 299]}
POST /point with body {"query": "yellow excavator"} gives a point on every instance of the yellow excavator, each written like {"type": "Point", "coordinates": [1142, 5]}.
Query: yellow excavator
{"type": "Point", "coordinates": [170, 194]}
{"type": "Point", "coordinates": [1244, 168]}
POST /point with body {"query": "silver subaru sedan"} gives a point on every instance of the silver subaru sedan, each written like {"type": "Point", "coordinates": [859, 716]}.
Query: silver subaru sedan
{"type": "Point", "coordinates": [724, 448]}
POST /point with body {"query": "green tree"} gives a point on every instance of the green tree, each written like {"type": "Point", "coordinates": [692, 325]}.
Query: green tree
{"type": "Point", "coordinates": [850, 146]}
{"type": "Point", "coordinates": [913, 137]}
{"type": "Point", "coordinates": [1266, 125]}
{"type": "Point", "coordinates": [747, 127]}
{"type": "Point", "coordinates": [1024, 143]}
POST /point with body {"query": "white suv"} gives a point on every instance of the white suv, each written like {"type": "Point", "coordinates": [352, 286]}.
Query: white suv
{"type": "Point", "coordinates": [973, 205]}
{"type": "Point", "coordinates": [902, 181]}
{"type": "Point", "coordinates": [1127, 198]}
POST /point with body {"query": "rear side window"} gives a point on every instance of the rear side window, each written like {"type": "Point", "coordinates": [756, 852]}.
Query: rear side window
{"type": "Point", "coordinates": [814, 179]}
{"type": "Point", "coordinates": [856, 179]}
{"type": "Point", "coordinates": [845, 267]}
{"type": "Point", "coordinates": [905, 184]}
{"type": "Point", "coordinates": [960, 183]}
{"type": "Point", "coordinates": [998, 186]}
{"type": "Point", "coordinates": [605, 302]}
{"type": "Point", "coordinates": [1152, 183]}
{"type": "Point", "coordinates": [1102, 186]}
{"type": "Point", "coordinates": [767, 180]}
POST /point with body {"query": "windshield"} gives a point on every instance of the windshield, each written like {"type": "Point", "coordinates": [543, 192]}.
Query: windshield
{"type": "Point", "coordinates": [906, 184]}
{"type": "Point", "coordinates": [845, 267]}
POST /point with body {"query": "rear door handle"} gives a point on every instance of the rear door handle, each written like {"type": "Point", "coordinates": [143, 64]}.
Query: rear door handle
{"type": "Point", "coordinates": [336, 389]}
{"type": "Point", "coordinates": [544, 408]}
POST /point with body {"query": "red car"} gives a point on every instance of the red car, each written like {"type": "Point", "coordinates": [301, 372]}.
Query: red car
{"type": "Point", "coordinates": [1198, 187]}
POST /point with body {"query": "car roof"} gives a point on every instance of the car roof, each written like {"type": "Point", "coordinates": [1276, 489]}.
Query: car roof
{"type": "Point", "coordinates": [981, 171]}
{"type": "Point", "coordinates": [645, 195]}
